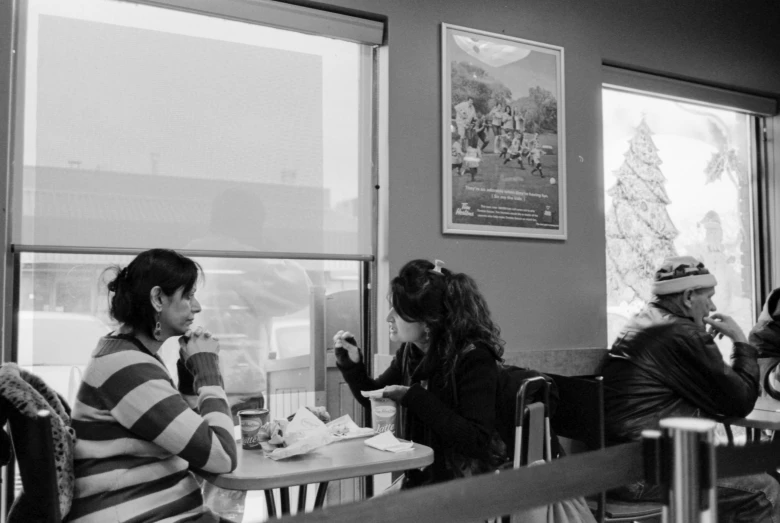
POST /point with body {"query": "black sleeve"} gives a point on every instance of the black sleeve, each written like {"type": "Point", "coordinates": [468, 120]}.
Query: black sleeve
{"type": "Point", "coordinates": [697, 372]}
{"type": "Point", "coordinates": [468, 427]}
{"type": "Point", "coordinates": [358, 380]}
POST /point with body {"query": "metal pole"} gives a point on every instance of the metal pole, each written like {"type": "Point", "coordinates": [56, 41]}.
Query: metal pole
{"type": "Point", "coordinates": [318, 360]}
{"type": "Point", "coordinates": [691, 465]}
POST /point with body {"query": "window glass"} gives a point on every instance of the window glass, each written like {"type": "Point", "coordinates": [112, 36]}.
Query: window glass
{"type": "Point", "coordinates": [677, 179]}
{"type": "Point", "coordinates": [148, 127]}
{"type": "Point", "coordinates": [260, 309]}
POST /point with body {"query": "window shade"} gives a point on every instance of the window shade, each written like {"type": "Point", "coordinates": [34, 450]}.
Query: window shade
{"type": "Point", "coordinates": [285, 16]}
{"type": "Point", "coordinates": [147, 127]}
{"type": "Point", "coordinates": [627, 79]}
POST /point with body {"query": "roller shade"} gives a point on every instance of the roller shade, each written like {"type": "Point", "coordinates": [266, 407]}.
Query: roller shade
{"type": "Point", "coordinates": [284, 16]}
{"type": "Point", "coordinates": [147, 127]}
{"type": "Point", "coordinates": [627, 79]}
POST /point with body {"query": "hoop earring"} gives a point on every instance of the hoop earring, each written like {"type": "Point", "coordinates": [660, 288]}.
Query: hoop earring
{"type": "Point", "coordinates": [157, 328]}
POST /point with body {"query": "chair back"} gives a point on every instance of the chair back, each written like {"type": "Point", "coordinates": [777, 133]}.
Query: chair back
{"type": "Point", "coordinates": [580, 412]}
{"type": "Point", "coordinates": [34, 450]}
{"type": "Point", "coordinates": [534, 435]}
{"type": "Point", "coordinates": [531, 424]}
{"type": "Point", "coordinates": [532, 438]}
{"type": "Point", "coordinates": [579, 416]}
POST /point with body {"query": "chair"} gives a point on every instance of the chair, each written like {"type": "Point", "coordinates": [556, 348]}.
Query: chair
{"type": "Point", "coordinates": [532, 425]}
{"type": "Point", "coordinates": [532, 419]}
{"type": "Point", "coordinates": [39, 500]}
{"type": "Point", "coordinates": [579, 416]}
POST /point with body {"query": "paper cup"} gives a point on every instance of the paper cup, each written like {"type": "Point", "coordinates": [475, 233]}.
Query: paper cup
{"type": "Point", "coordinates": [251, 422]}
{"type": "Point", "coordinates": [383, 413]}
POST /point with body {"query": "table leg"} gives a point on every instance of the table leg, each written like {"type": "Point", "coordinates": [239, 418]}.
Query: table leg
{"type": "Point", "coordinates": [270, 503]}
{"type": "Point", "coordinates": [321, 491]}
{"type": "Point", "coordinates": [285, 495]}
{"type": "Point", "coordinates": [302, 499]}
{"type": "Point", "coordinates": [368, 486]}
{"type": "Point", "coordinates": [729, 434]}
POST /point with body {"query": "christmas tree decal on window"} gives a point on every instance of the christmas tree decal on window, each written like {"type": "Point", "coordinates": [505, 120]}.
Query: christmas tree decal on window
{"type": "Point", "coordinates": [639, 232]}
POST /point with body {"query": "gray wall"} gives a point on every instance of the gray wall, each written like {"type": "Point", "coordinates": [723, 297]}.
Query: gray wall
{"type": "Point", "coordinates": [551, 295]}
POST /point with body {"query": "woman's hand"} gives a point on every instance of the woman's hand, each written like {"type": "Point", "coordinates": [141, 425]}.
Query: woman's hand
{"type": "Point", "coordinates": [345, 347]}
{"type": "Point", "coordinates": [197, 341]}
{"type": "Point", "coordinates": [395, 392]}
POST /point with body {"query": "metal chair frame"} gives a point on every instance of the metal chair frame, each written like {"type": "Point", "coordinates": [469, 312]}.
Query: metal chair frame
{"type": "Point", "coordinates": [580, 417]}
{"type": "Point", "coordinates": [41, 486]}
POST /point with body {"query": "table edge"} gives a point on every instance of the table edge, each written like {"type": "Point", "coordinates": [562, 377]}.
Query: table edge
{"type": "Point", "coordinates": [424, 459]}
{"type": "Point", "coordinates": [755, 423]}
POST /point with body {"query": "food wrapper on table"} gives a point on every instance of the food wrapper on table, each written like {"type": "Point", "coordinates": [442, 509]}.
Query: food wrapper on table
{"type": "Point", "coordinates": [276, 431]}
{"type": "Point", "coordinates": [320, 412]}
{"type": "Point", "coordinates": [306, 432]}
{"type": "Point", "coordinates": [345, 428]}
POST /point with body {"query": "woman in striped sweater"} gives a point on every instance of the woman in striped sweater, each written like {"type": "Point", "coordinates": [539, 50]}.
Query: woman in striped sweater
{"type": "Point", "coordinates": [137, 437]}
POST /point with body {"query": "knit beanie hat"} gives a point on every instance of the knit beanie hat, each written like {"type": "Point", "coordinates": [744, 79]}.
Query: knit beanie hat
{"type": "Point", "coordinates": [679, 273]}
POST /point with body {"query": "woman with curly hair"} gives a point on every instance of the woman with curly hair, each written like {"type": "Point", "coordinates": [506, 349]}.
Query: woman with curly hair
{"type": "Point", "coordinates": [443, 377]}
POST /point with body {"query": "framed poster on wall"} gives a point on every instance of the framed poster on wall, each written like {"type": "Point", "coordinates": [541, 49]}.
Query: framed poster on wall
{"type": "Point", "coordinates": [504, 161]}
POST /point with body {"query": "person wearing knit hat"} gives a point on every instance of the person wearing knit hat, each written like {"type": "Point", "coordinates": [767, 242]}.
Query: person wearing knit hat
{"type": "Point", "coordinates": [683, 282]}
{"type": "Point", "coordinates": [665, 363]}
{"type": "Point", "coordinates": [678, 273]}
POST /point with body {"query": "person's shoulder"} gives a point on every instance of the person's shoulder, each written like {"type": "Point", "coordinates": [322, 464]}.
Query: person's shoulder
{"type": "Point", "coordinates": [477, 352]}
{"type": "Point", "coordinates": [650, 323]}
{"type": "Point", "coordinates": [676, 331]}
{"type": "Point", "coordinates": [117, 353]}
{"type": "Point", "coordinates": [112, 344]}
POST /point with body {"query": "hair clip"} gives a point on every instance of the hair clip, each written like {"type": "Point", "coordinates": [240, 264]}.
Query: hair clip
{"type": "Point", "coordinates": [437, 265]}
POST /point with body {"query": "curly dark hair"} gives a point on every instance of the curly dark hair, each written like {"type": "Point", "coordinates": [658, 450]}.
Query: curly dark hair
{"type": "Point", "coordinates": [450, 305]}
{"type": "Point", "coordinates": [129, 291]}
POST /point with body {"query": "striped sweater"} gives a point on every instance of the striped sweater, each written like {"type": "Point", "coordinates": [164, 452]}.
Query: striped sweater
{"type": "Point", "coordinates": [137, 438]}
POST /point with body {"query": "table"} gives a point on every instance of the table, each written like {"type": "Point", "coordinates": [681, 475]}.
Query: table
{"type": "Point", "coordinates": [339, 460]}
{"type": "Point", "coordinates": [764, 416]}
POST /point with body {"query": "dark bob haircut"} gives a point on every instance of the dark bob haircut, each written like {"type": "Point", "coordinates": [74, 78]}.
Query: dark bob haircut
{"type": "Point", "coordinates": [129, 301]}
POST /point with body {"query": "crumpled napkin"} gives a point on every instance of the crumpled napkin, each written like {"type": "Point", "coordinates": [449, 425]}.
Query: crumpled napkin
{"type": "Point", "coordinates": [372, 393]}
{"type": "Point", "coordinates": [386, 441]}
{"type": "Point", "coordinates": [345, 428]}
{"type": "Point", "coordinates": [303, 434]}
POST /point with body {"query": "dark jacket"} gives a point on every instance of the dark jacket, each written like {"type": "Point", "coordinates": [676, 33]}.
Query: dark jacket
{"type": "Point", "coordinates": [662, 364]}
{"type": "Point", "coordinates": [765, 336]}
{"type": "Point", "coordinates": [429, 416]}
